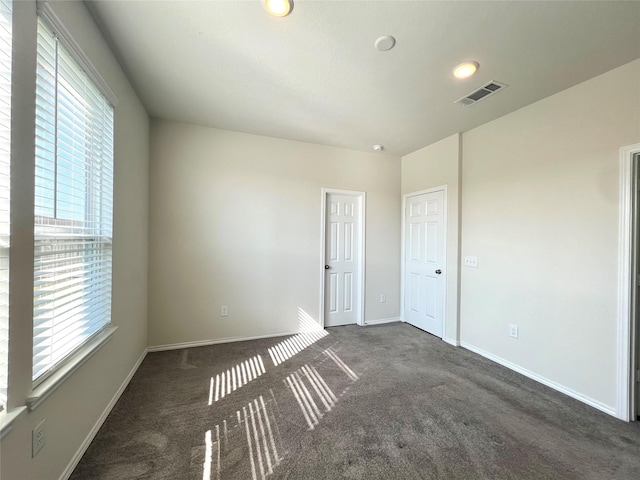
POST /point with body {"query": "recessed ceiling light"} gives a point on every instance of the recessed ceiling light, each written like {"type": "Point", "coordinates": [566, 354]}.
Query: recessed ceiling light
{"type": "Point", "coordinates": [378, 148]}
{"type": "Point", "coordinates": [278, 8]}
{"type": "Point", "coordinates": [385, 43]}
{"type": "Point", "coordinates": [465, 70]}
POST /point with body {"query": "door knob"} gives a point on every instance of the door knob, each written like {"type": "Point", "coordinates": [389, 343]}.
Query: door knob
{"type": "Point", "coordinates": [438, 272]}
{"type": "Point", "coordinates": [327, 267]}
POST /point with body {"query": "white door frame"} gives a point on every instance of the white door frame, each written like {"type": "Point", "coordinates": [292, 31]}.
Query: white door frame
{"type": "Point", "coordinates": [362, 197]}
{"type": "Point", "coordinates": [626, 403]}
{"type": "Point", "coordinates": [405, 197]}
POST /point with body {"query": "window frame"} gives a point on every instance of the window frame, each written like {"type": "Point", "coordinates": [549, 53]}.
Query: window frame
{"type": "Point", "coordinates": [5, 243]}
{"type": "Point", "coordinates": [59, 371]}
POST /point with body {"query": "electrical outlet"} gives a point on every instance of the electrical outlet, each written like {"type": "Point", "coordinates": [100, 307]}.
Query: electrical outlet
{"type": "Point", "coordinates": [513, 331]}
{"type": "Point", "coordinates": [38, 437]}
{"type": "Point", "coordinates": [471, 262]}
{"type": "Point", "coordinates": [383, 298]}
{"type": "Point", "coordinates": [224, 311]}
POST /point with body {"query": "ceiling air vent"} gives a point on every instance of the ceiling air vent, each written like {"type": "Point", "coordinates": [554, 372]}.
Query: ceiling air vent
{"type": "Point", "coordinates": [481, 93]}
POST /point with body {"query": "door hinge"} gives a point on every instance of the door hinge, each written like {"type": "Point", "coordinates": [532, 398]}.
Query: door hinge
{"type": "Point", "coordinates": [638, 375]}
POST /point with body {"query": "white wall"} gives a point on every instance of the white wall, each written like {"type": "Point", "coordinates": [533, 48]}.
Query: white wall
{"type": "Point", "coordinates": [540, 211]}
{"type": "Point", "coordinates": [73, 409]}
{"type": "Point", "coordinates": [433, 166]}
{"type": "Point", "coordinates": [235, 220]}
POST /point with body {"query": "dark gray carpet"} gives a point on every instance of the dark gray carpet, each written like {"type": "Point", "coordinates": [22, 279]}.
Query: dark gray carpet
{"type": "Point", "coordinates": [382, 402]}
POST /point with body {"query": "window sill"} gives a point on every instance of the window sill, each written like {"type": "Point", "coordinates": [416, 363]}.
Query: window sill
{"type": "Point", "coordinates": [7, 419]}
{"type": "Point", "coordinates": [46, 388]}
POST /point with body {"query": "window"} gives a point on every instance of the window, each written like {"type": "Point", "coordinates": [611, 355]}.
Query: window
{"type": "Point", "coordinates": [73, 206]}
{"type": "Point", "coordinates": [5, 157]}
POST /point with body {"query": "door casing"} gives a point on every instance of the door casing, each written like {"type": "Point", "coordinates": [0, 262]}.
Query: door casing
{"type": "Point", "coordinates": [629, 231]}
{"type": "Point", "coordinates": [361, 205]}
{"type": "Point", "coordinates": [405, 197]}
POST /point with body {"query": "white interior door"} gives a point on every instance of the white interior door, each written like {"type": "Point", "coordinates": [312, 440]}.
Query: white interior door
{"type": "Point", "coordinates": [342, 294]}
{"type": "Point", "coordinates": [425, 261]}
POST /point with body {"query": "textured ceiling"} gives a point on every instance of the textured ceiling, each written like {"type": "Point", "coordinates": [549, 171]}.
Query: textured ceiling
{"type": "Point", "coordinates": [315, 75]}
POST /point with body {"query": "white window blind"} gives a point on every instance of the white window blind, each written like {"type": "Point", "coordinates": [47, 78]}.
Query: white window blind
{"type": "Point", "coordinates": [5, 157]}
{"type": "Point", "coordinates": [73, 206]}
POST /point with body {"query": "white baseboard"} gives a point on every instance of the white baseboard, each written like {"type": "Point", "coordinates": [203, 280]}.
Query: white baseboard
{"type": "Point", "coordinates": [204, 343]}
{"type": "Point", "coordinates": [545, 381]}
{"type": "Point", "coordinates": [450, 341]}
{"type": "Point", "coordinates": [380, 321]}
{"type": "Point", "coordinates": [94, 431]}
